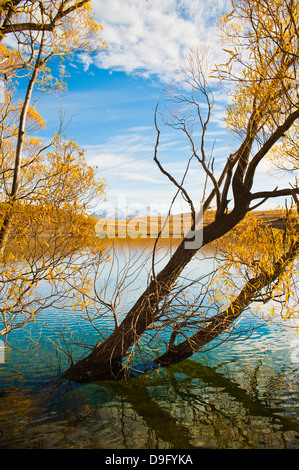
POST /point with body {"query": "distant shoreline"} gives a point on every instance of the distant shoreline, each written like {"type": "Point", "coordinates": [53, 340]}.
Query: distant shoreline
{"type": "Point", "coordinates": [146, 228]}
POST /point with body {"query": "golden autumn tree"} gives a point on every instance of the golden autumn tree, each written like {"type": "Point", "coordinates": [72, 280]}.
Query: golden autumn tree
{"type": "Point", "coordinates": [46, 187]}
{"type": "Point", "coordinates": [23, 20]}
{"type": "Point", "coordinates": [258, 258]}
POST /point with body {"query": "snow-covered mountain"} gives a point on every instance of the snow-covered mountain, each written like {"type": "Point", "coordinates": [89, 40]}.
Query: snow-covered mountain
{"type": "Point", "coordinates": [110, 212]}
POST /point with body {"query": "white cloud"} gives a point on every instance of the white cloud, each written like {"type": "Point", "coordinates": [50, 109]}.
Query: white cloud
{"type": "Point", "coordinates": [86, 61]}
{"type": "Point", "coordinates": [126, 162]}
{"type": "Point", "coordinates": [106, 160]}
{"type": "Point", "coordinates": [126, 156]}
{"type": "Point", "coordinates": [140, 177]}
{"type": "Point", "coordinates": [150, 37]}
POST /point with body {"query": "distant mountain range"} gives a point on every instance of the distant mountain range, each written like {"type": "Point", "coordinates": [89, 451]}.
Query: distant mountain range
{"type": "Point", "coordinates": [124, 213]}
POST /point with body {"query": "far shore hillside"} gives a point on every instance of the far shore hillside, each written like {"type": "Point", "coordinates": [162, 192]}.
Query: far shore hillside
{"type": "Point", "coordinates": [172, 227]}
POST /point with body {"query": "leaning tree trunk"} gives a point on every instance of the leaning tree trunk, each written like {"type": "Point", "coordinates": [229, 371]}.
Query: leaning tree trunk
{"type": "Point", "coordinates": [105, 360]}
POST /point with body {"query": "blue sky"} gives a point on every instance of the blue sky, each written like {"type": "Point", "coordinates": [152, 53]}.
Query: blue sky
{"type": "Point", "coordinates": [111, 98]}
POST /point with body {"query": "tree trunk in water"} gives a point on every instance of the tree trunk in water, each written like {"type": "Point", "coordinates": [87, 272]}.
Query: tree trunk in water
{"type": "Point", "coordinates": [105, 361]}
{"type": "Point", "coordinates": [223, 321]}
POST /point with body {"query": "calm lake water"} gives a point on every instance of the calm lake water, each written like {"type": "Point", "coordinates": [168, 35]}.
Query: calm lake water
{"type": "Point", "coordinates": [240, 395]}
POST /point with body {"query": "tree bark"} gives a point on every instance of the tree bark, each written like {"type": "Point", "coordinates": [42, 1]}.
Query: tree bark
{"type": "Point", "coordinates": [6, 224]}
{"type": "Point", "coordinates": [105, 361]}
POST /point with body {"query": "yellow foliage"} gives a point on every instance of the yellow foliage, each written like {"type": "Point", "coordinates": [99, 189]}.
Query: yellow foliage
{"type": "Point", "coordinates": [62, 28]}
{"type": "Point", "coordinates": [45, 231]}
{"type": "Point", "coordinates": [253, 249]}
{"type": "Point", "coordinates": [262, 42]}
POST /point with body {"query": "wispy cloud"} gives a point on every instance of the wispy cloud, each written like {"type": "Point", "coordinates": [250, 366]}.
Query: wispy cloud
{"type": "Point", "coordinates": [151, 37]}
{"type": "Point", "coordinates": [86, 60]}
{"type": "Point", "coordinates": [126, 156]}
{"type": "Point", "coordinates": [126, 162]}
{"type": "Point", "coordinates": [141, 177]}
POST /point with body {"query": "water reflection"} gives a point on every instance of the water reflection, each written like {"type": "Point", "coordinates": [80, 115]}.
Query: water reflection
{"type": "Point", "coordinates": [202, 408]}
{"type": "Point", "coordinates": [191, 405]}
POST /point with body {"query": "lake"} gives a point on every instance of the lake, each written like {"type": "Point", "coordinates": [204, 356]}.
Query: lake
{"type": "Point", "coordinates": [242, 394]}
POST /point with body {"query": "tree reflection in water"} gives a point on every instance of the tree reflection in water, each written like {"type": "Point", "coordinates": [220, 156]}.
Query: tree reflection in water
{"type": "Point", "coordinates": [196, 406]}
{"type": "Point", "coordinates": [189, 405]}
